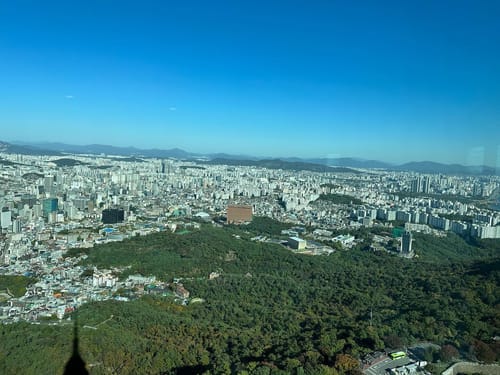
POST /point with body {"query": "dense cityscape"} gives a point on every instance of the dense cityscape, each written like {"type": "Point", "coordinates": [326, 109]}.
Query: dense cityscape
{"type": "Point", "coordinates": [53, 206]}
{"type": "Point", "coordinates": [48, 208]}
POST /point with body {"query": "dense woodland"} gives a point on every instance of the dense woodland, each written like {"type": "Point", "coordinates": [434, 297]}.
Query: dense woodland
{"type": "Point", "coordinates": [261, 225]}
{"type": "Point", "coordinates": [340, 199]}
{"type": "Point", "coordinates": [272, 311]}
{"type": "Point", "coordinates": [15, 285]}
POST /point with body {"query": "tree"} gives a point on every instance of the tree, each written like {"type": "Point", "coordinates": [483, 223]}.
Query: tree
{"type": "Point", "coordinates": [448, 352]}
{"type": "Point", "coordinates": [429, 354]}
{"type": "Point", "coordinates": [345, 362]}
{"type": "Point", "coordinates": [483, 351]}
{"type": "Point", "coordinates": [393, 341]}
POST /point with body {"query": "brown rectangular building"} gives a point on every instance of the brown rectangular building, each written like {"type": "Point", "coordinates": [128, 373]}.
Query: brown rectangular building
{"type": "Point", "coordinates": [237, 214]}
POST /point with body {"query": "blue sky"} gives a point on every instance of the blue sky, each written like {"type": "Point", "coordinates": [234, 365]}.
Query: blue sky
{"type": "Point", "coordinates": [388, 80]}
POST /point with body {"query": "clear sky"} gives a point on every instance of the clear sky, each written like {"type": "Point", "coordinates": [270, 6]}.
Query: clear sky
{"type": "Point", "coordinates": [388, 80]}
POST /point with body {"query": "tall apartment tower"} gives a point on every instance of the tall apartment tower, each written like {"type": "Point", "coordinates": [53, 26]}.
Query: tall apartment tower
{"type": "Point", "coordinates": [6, 218]}
{"type": "Point", "coordinates": [406, 243]}
{"type": "Point", "coordinates": [416, 185]}
{"type": "Point", "coordinates": [426, 185]}
{"type": "Point", "coordinates": [48, 183]}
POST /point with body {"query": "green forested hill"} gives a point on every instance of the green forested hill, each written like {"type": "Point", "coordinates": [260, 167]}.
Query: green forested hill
{"type": "Point", "coordinates": [16, 285]}
{"type": "Point", "coordinates": [271, 311]}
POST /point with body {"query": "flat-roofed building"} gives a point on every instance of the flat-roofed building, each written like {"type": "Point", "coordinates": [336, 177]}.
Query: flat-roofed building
{"type": "Point", "coordinates": [237, 214]}
{"type": "Point", "coordinates": [113, 216]}
{"type": "Point", "coordinates": [344, 239]}
{"type": "Point", "coordinates": [49, 205]}
{"type": "Point", "coordinates": [297, 243]}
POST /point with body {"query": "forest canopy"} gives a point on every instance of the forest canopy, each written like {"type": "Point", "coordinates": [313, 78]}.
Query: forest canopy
{"type": "Point", "coordinates": [272, 311]}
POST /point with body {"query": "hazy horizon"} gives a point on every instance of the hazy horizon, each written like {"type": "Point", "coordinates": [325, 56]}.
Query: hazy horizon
{"type": "Point", "coordinates": [250, 155]}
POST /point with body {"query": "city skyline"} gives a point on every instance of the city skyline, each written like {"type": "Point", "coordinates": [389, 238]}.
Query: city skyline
{"type": "Point", "coordinates": [396, 83]}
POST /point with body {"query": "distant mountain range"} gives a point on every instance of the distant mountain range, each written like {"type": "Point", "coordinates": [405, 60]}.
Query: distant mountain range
{"type": "Point", "coordinates": [292, 163]}
{"type": "Point", "coordinates": [10, 148]}
{"type": "Point", "coordinates": [432, 167]}
{"type": "Point", "coordinates": [95, 149]}
{"type": "Point", "coordinates": [346, 162]}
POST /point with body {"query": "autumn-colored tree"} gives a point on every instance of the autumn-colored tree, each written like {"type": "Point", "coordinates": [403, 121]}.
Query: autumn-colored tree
{"type": "Point", "coordinates": [345, 362]}
{"type": "Point", "coordinates": [483, 351]}
{"type": "Point", "coordinates": [448, 352]}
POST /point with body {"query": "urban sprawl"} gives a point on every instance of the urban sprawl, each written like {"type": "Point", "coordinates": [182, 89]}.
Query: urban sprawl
{"type": "Point", "coordinates": [50, 205]}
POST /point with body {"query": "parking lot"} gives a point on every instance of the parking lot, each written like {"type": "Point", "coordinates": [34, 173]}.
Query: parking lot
{"type": "Point", "coordinates": [381, 367]}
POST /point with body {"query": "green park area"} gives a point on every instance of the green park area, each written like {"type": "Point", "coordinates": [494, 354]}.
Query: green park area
{"type": "Point", "coordinates": [272, 311]}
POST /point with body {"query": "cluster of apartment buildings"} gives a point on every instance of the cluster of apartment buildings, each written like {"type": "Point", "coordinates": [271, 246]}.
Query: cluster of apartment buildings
{"type": "Point", "coordinates": [35, 191]}
{"type": "Point", "coordinates": [46, 209]}
{"type": "Point", "coordinates": [480, 224]}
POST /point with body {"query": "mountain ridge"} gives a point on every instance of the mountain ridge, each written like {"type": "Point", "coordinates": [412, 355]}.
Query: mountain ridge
{"type": "Point", "coordinates": [60, 149]}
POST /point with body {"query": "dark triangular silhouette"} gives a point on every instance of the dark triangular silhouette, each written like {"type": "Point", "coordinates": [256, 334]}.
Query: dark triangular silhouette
{"type": "Point", "coordinates": [75, 365]}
